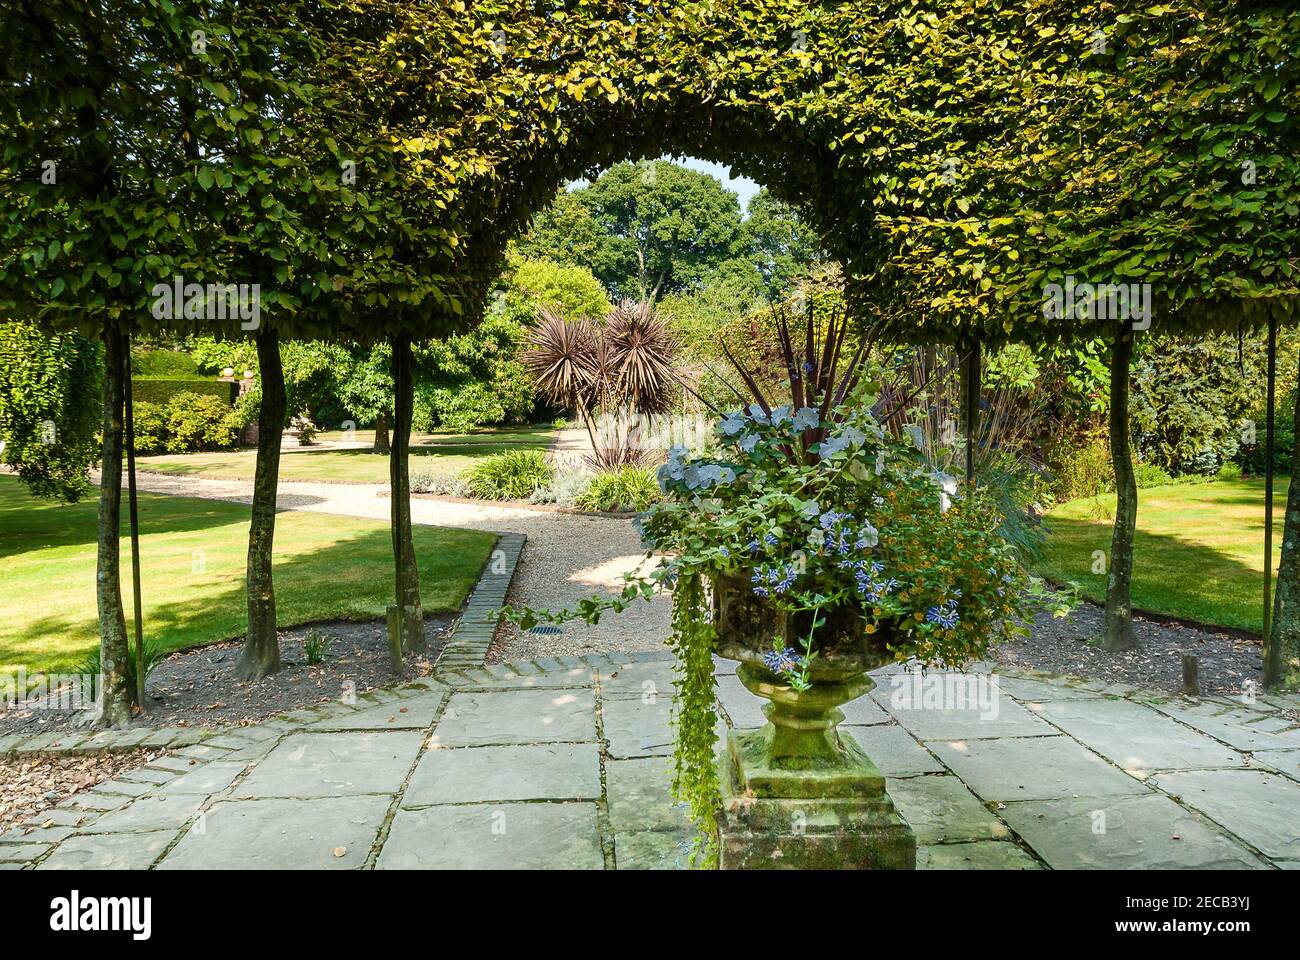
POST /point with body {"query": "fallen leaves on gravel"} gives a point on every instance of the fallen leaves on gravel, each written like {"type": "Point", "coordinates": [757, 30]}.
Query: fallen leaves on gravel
{"type": "Point", "coordinates": [32, 785]}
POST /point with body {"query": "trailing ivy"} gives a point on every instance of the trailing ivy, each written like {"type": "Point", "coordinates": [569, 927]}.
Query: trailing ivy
{"type": "Point", "coordinates": [695, 773]}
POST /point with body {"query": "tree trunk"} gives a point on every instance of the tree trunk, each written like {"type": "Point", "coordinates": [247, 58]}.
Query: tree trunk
{"type": "Point", "coordinates": [261, 653]}
{"type": "Point", "coordinates": [970, 402]}
{"type": "Point", "coordinates": [406, 567]}
{"type": "Point", "coordinates": [114, 705]}
{"type": "Point", "coordinates": [1119, 605]}
{"type": "Point", "coordinates": [128, 425]}
{"type": "Point", "coordinates": [1282, 646]}
{"type": "Point", "coordinates": [381, 435]}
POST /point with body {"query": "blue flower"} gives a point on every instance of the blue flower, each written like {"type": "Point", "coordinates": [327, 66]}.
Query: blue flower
{"type": "Point", "coordinates": [830, 518]}
{"type": "Point", "coordinates": [781, 661]}
{"type": "Point", "coordinates": [945, 616]}
{"type": "Point", "coordinates": [777, 578]}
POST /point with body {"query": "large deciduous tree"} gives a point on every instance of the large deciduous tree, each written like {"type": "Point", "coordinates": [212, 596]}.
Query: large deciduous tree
{"type": "Point", "coordinates": [662, 228]}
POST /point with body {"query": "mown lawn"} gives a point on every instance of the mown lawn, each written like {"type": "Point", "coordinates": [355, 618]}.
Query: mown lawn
{"type": "Point", "coordinates": [193, 555]}
{"type": "Point", "coordinates": [1199, 550]}
{"type": "Point", "coordinates": [439, 453]}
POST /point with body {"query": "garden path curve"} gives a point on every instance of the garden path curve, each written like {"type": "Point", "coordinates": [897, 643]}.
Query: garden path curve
{"type": "Point", "coordinates": [567, 556]}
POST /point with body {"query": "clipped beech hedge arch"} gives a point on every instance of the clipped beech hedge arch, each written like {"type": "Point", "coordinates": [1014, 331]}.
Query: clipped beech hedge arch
{"type": "Point", "coordinates": [956, 156]}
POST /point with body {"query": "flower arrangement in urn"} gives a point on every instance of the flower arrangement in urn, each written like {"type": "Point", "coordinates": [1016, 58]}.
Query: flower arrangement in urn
{"type": "Point", "coordinates": [812, 545]}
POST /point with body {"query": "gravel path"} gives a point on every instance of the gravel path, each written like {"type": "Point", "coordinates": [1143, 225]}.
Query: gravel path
{"type": "Point", "coordinates": [567, 556]}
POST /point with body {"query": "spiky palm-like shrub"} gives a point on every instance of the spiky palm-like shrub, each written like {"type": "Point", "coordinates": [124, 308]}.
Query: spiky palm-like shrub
{"type": "Point", "coordinates": [613, 373]}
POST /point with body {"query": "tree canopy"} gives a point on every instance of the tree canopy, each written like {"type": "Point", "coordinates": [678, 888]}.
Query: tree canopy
{"type": "Point", "coordinates": [955, 157]}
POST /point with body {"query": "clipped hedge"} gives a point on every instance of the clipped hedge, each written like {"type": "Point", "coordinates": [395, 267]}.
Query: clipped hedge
{"type": "Point", "coordinates": [160, 390]}
{"type": "Point", "coordinates": [153, 362]}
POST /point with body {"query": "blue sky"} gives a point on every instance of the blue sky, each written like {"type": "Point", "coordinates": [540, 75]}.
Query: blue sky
{"type": "Point", "coordinates": [741, 185]}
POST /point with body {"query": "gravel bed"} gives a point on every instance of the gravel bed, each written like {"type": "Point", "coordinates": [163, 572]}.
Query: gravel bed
{"type": "Point", "coordinates": [198, 687]}
{"type": "Point", "coordinates": [30, 786]}
{"type": "Point", "coordinates": [1071, 645]}
{"type": "Point", "coordinates": [569, 557]}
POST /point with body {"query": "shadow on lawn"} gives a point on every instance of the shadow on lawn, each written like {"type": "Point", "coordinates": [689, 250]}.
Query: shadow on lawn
{"type": "Point", "coordinates": [350, 579]}
{"type": "Point", "coordinates": [1171, 575]}
{"type": "Point", "coordinates": [30, 523]}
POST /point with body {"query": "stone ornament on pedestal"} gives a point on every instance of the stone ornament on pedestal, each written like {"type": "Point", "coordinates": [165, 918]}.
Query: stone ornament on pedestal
{"type": "Point", "coordinates": [795, 794]}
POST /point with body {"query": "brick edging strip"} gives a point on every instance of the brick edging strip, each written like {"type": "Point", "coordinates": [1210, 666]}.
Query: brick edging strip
{"type": "Point", "coordinates": [474, 634]}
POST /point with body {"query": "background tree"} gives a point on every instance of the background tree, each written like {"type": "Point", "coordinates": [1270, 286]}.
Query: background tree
{"type": "Point", "coordinates": [49, 409]}
{"type": "Point", "coordinates": [662, 228]}
{"type": "Point", "coordinates": [363, 383]}
{"type": "Point", "coordinates": [781, 244]}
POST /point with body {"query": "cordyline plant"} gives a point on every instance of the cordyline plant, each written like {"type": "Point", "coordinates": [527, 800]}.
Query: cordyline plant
{"type": "Point", "coordinates": [817, 511]}
{"type": "Point", "coordinates": [614, 373]}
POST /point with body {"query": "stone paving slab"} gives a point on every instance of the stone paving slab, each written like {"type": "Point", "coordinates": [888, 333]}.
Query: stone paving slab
{"type": "Point", "coordinates": [409, 713]}
{"type": "Point", "coordinates": [1038, 691]}
{"type": "Point", "coordinates": [333, 764]}
{"type": "Point", "coordinates": [1035, 768]}
{"type": "Point", "coordinates": [639, 728]}
{"type": "Point", "coordinates": [1240, 728]}
{"type": "Point", "coordinates": [1004, 718]}
{"type": "Point", "coordinates": [1261, 808]}
{"type": "Point", "coordinates": [21, 852]}
{"type": "Point", "coordinates": [566, 762]}
{"type": "Point", "coordinates": [328, 833]}
{"type": "Point", "coordinates": [148, 813]}
{"type": "Point", "coordinates": [1283, 761]}
{"type": "Point", "coordinates": [893, 750]}
{"type": "Point", "coordinates": [744, 709]}
{"type": "Point", "coordinates": [207, 779]}
{"type": "Point", "coordinates": [633, 681]}
{"type": "Point", "coordinates": [940, 809]}
{"type": "Point", "coordinates": [981, 855]}
{"type": "Point", "coordinates": [1136, 737]}
{"type": "Point", "coordinates": [116, 851]}
{"type": "Point", "coordinates": [1128, 833]}
{"type": "Point", "coordinates": [504, 836]}
{"type": "Point", "coordinates": [551, 771]}
{"type": "Point", "coordinates": [517, 717]}
{"type": "Point", "coordinates": [640, 796]}
{"type": "Point", "coordinates": [652, 850]}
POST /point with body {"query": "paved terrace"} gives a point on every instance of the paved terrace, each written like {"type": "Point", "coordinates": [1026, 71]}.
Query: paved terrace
{"type": "Point", "coordinates": [565, 763]}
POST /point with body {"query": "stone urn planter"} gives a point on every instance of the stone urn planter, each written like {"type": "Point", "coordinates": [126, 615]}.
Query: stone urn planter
{"type": "Point", "coordinates": [795, 793]}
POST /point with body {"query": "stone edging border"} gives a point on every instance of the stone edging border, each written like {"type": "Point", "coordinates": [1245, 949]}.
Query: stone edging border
{"type": "Point", "coordinates": [78, 742]}
{"type": "Point", "coordinates": [474, 633]}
